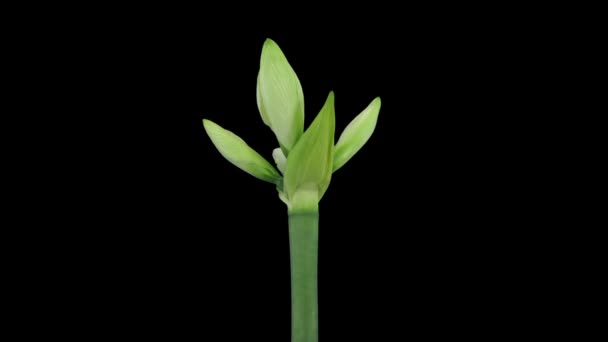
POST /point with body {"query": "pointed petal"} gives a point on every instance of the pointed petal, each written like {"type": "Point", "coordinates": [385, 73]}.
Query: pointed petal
{"type": "Point", "coordinates": [356, 134]}
{"type": "Point", "coordinates": [279, 96]}
{"type": "Point", "coordinates": [236, 151]}
{"type": "Point", "coordinates": [309, 165]}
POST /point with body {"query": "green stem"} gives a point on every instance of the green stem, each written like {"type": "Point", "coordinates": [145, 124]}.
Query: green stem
{"type": "Point", "coordinates": [303, 243]}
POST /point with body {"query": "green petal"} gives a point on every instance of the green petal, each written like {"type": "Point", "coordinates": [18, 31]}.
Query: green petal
{"type": "Point", "coordinates": [280, 97]}
{"type": "Point", "coordinates": [356, 134]}
{"type": "Point", "coordinates": [236, 151]}
{"type": "Point", "coordinates": [279, 159]}
{"type": "Point", "coordinates": [309, 165]}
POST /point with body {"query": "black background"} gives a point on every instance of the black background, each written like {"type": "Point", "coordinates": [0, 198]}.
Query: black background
{"type": "Point", "coordinates": [425, 231]}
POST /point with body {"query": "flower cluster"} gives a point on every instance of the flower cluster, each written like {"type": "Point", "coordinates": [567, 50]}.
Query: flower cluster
{"type": "Point", "coordinates": [305, 159]}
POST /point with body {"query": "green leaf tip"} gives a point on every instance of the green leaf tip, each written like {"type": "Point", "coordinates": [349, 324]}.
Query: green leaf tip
{"type": "Point", "coordinates": [309, 165]}
{"type": "Point", "coordinates": [356, 134]}
{"type": "Point", "coordinates": [236, 151]}
{"type": "Point", "coordinates": [279, 96]}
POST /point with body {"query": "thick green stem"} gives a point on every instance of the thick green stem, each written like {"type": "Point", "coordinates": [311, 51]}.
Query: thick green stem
{"type": "Point", "coordinates": [303, 243]}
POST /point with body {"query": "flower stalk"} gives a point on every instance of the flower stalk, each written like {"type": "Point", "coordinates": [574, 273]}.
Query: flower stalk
{"type": "Point", "coordinates": [303, 247]}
